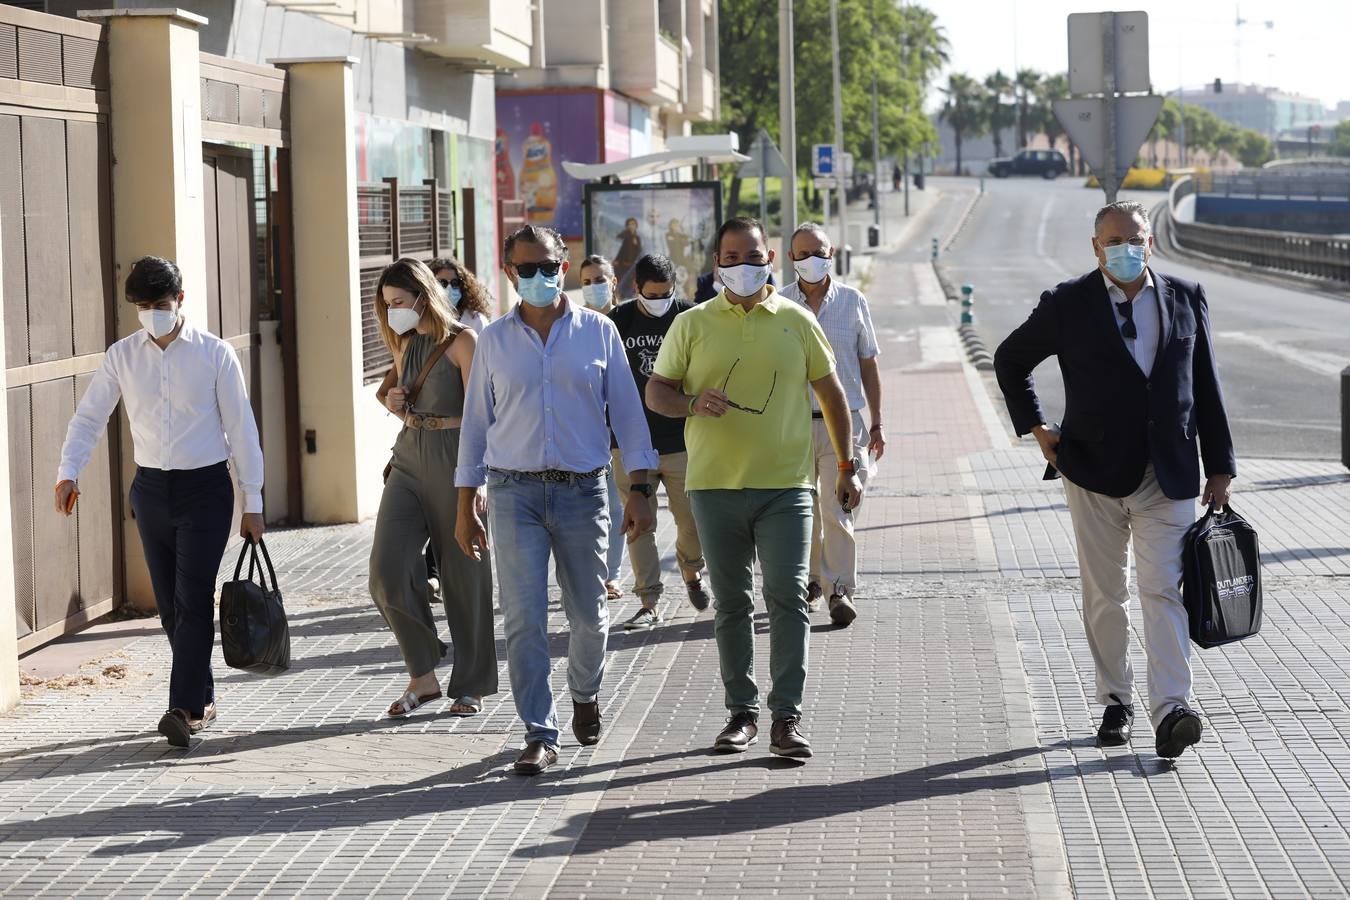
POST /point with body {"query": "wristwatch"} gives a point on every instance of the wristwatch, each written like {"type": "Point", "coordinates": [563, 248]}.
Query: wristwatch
{"type": "Point", "coordinates": [851, 466]}
{"type": "Point", "coordinates": [644, 489]}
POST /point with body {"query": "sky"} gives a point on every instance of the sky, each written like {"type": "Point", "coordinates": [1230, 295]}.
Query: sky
{"type": "Point", "coordinates": [1192, 42]}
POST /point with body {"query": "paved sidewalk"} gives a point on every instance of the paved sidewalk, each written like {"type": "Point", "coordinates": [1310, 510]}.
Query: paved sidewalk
{"type": "Point", "coordinates": [951, 722]}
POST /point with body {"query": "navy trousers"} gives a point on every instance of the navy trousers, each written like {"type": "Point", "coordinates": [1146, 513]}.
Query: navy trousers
{"type": "Point", "coordinates": [184, 520]}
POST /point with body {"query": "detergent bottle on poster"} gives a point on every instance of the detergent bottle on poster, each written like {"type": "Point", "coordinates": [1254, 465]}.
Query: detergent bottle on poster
{"type": "Point", "coordinates": [506, 176]}
{"type": "Point", "coordinates": [538, 181]}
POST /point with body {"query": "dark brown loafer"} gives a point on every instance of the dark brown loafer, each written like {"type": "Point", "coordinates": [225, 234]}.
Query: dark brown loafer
{"type": "Point", "coordinates": [175, 728]}
{"type": "Point", "coordinates": [536, 757]}
{"type": "Point", "coordinates": [586, 722]}
{"type": "Point", "coordinates": [208, 716]}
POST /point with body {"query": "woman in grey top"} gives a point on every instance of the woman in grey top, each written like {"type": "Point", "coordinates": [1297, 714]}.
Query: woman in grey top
{"type": "Point", "coordinates": [419, 500]}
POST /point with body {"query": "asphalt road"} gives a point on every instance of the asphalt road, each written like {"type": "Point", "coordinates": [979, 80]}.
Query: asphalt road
{"type": "Point", "coordinates": [1280, 349]}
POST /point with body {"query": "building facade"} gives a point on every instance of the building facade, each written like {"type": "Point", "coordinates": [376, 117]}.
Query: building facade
{"type": "Point", "coordinates": [1263, 109]}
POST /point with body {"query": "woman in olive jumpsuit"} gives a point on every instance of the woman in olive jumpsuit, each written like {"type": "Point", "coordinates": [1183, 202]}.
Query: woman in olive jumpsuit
{"type": "Point", "coordinates": [420, 499]}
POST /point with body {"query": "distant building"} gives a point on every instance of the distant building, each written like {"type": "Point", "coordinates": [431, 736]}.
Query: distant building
{"type": "Point", "coordinates": [1264, 109]}
{"type": "Point", "coordinates": [1342, 111]}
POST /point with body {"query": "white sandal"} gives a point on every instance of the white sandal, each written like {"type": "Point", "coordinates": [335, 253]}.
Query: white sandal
{"type": "Point", "coordinates": [409, 702]}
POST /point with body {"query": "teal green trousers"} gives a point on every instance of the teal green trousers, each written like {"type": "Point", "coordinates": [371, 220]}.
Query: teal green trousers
{"type": "Point", "coordinates": [774, 525]}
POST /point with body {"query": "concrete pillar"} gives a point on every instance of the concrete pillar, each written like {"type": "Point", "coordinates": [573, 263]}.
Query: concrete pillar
{"type": "Point", "coordinates": [340, 467]}
{"type": "Point", "coordinates": [9, 645]}
{"type": "Point", "coordinates": [156, 127]}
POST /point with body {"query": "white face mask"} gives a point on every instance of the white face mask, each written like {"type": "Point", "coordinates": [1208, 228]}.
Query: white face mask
{"type": "Point", "coordinates": [403, 319]}
{"type": "Point", "coordinates": [812, 270]}
{"type": "Point", "coordinates": [158, 322]}
{"type": "Point", "coordinates": [596, 295]}
{"type": "Point", "coordinates": [744, 280]}
{"type": "Point", "coordinates": [656, 306]}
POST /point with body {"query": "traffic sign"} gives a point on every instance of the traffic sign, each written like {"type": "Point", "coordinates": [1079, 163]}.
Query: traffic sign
{"type": "Point", "coordinates": [764, 153]}
{"type": "Point", "coordinates": [822, 159]}
{"type": "Point", "coordinates": [846, 163]}
{"type": "Point", "coordinates": [1085, 122]}
{"type": "Point", "coordinates": [1087, 50]}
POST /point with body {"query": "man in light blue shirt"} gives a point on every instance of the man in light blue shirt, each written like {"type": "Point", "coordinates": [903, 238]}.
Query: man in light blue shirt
{"type": "Point", "coordinates": [549, 381]}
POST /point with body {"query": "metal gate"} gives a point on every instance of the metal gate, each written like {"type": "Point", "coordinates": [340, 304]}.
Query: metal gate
{"type": "Point", "coordinates": [56, 256]}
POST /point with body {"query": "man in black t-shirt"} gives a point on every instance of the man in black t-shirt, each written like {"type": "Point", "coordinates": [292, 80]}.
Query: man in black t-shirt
{"type": "Point", "coordinates": [642, 325]}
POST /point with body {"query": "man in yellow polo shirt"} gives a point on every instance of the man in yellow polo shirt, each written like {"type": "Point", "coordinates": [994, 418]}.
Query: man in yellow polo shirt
{"type": "Point", "coordinates": [738, 367]}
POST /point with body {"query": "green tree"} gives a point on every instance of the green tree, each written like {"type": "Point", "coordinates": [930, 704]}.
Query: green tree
{"type": "Point", "coordinates": [1340, 140]}
{"type": "Point", "coordinates": [905, 46]}
{"type": "Point", "coordinates": [963, 110]}
{"type": "Point", "coordinates": [1000, 109]}
{"type": "Point", "coordinates": [1027, 83]}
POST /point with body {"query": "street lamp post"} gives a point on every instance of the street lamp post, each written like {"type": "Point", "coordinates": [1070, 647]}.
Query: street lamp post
{"type": "Point", "coordinates": [876, 127]}
{"type": "Point", "coordinates": [787, 119]}
{"type": "Point", "coordinates": [839, 133]}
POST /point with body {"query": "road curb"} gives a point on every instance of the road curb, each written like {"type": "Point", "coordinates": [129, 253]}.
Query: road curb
{"type": "Point", "coordinates": [976, 350]}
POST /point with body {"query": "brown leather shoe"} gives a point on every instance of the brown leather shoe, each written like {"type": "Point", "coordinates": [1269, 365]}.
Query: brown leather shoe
{"type": "Point", "coordinates": [742, 730]}
{"type": "Point", "coordinates": [842, 610]}
{"type": "Point", "coordinates": [536, 757]}
{"type": "Point", "coordinates": [174, 726]}
{"type": "Point", "coordinates": [586, 722]}
{"type": "Point", "coordinates": [786, 740]}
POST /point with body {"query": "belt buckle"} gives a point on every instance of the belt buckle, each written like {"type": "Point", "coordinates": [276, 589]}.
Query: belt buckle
{"type": "Point", "coordinates": [414, 420]}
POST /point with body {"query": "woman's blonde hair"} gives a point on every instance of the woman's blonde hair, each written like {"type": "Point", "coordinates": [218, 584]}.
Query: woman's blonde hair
{"type": "Point", "coordinates": [413, 276]}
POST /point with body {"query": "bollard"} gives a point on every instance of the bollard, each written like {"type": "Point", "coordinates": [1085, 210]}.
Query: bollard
{"type": "Point", "coordinates": [935, 248]}
{"type": "Point", "coordinates": [981, 184]}
{"type": "Point", "coordinates": [967, 304]}
{"type": "Point", "coordinates": [1345, 417]}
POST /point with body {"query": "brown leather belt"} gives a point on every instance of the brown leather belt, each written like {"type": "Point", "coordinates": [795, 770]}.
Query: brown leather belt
{"type": "Point", "coordinates": [430, 423]}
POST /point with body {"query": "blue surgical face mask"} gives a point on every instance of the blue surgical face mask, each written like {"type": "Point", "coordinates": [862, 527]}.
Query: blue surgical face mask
{"type": "Point", "coordinates": [1125, 261]}
{"type": "Point", "coordinates": [596, 295]}
{"type": "Point", "coordinates": [540, 289]}
{"type": "Point", "coordinates": [455, 294]}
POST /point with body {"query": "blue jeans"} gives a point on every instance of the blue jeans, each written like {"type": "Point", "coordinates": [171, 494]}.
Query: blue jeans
{"type": "Point", "coordinates": [530, 520]}
{"type": "Point", "coordinates": [614, 557]}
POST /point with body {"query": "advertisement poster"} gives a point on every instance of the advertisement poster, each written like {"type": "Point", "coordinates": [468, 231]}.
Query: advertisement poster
{"type": "Point", "coordinates": [535, 133]}
{"type": "Point", "coordinates": [624, 222]}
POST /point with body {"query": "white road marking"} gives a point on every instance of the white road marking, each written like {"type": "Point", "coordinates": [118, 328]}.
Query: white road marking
{"type": "Point", "coordinates": [1312, 360]}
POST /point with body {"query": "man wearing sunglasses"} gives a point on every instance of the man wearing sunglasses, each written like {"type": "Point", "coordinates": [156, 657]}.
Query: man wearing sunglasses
{"type": "Point", "coordinates": [1140, 385]}
{"type": "Point", "coordinates": [843, 315]}
{"type": "Point", "coordinates": [549, 381]}
{"type": "Point", "coordinates": [739, 369]}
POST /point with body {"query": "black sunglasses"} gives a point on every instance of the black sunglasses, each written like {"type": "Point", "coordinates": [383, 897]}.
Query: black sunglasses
{"type": "Point", "coordinates": [732, 403]}
{"type": "Point", "coordinates": [451, 282]}
{"type": "Point", "coordinates": [528, 270]}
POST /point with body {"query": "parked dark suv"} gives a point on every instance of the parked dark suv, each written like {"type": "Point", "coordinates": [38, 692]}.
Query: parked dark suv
{"type": "Point", "coordinates": [1045, 163]}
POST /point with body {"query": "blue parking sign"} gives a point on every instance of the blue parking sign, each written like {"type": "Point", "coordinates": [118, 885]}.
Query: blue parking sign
{"type": "Point", "coordinates": [822, 159]}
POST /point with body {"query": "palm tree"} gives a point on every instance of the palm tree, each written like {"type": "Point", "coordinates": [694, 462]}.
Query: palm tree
{"type": "Point", "coordinates": [1051, 88]}
{"type": "Point", "coordinates": [926, 43]}
{"type": "Point", "coordinates": [999, 114]}
{"type": "Point", "coordinates": [1028, 81]}
{"type": "Point", "coordinates": [963, 109]}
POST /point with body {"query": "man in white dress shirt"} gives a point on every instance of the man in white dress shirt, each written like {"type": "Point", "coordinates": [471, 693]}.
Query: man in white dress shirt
{"type": "Point", "coordinates": [190, 415]}
{"type": "Point", "coordinates": [844, 317]}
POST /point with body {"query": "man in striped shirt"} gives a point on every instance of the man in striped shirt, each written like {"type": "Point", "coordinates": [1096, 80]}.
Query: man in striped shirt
{"type": "Point", "coordinates": [843, 315]}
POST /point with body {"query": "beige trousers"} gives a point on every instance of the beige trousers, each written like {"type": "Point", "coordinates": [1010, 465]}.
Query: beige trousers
{"type": "Point", "coordinates": [1104, 528]}
{"type": "Point", "coordinates": [642, 553]}
{"type": "Point", "coordinates": [834, 550]}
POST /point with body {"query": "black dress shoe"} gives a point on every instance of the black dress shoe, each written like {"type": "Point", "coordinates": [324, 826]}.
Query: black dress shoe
{"type": "Point", "coordinates": [786, 740]}
{"type": "Point", "coordinates": [742, 730]}
{"type": "Point", "coordinates": [1178, 731]}
{"type": "Point", "coordinates": [535, 758]}
{"type": "Point", "coordinates": [1116, 724]}
{"type": "Point", "coordinates": [586, 722]}
{"type": "Point", "coordinates": [175, 728]}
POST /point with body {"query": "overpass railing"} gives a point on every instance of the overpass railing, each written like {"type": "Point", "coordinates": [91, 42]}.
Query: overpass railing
{"type": "Point", "coordinates": [1280, 185]}
{"type": "Point", "coordinates": [1314, 256]}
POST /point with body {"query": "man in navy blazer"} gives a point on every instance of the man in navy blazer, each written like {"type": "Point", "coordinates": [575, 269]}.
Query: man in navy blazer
{"type": "Point", "coordinates": [1140, 386]}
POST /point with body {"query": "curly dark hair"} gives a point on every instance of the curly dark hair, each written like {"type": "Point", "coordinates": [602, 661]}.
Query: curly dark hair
{"type": "Point", "coordinates": [472, 296]}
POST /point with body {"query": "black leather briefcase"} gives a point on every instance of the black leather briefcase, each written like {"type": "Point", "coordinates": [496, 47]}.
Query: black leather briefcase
{"type": "Point", "coordinates": [1221, 585]}
{"type": "Point", "coordinates": [254, 632]}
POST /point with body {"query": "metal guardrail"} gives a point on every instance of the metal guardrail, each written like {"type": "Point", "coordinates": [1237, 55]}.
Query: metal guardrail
{"type": "Point", "coordinates": [1313, 256]}
{"type": "Point", "coordinates": [1279, 185]}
